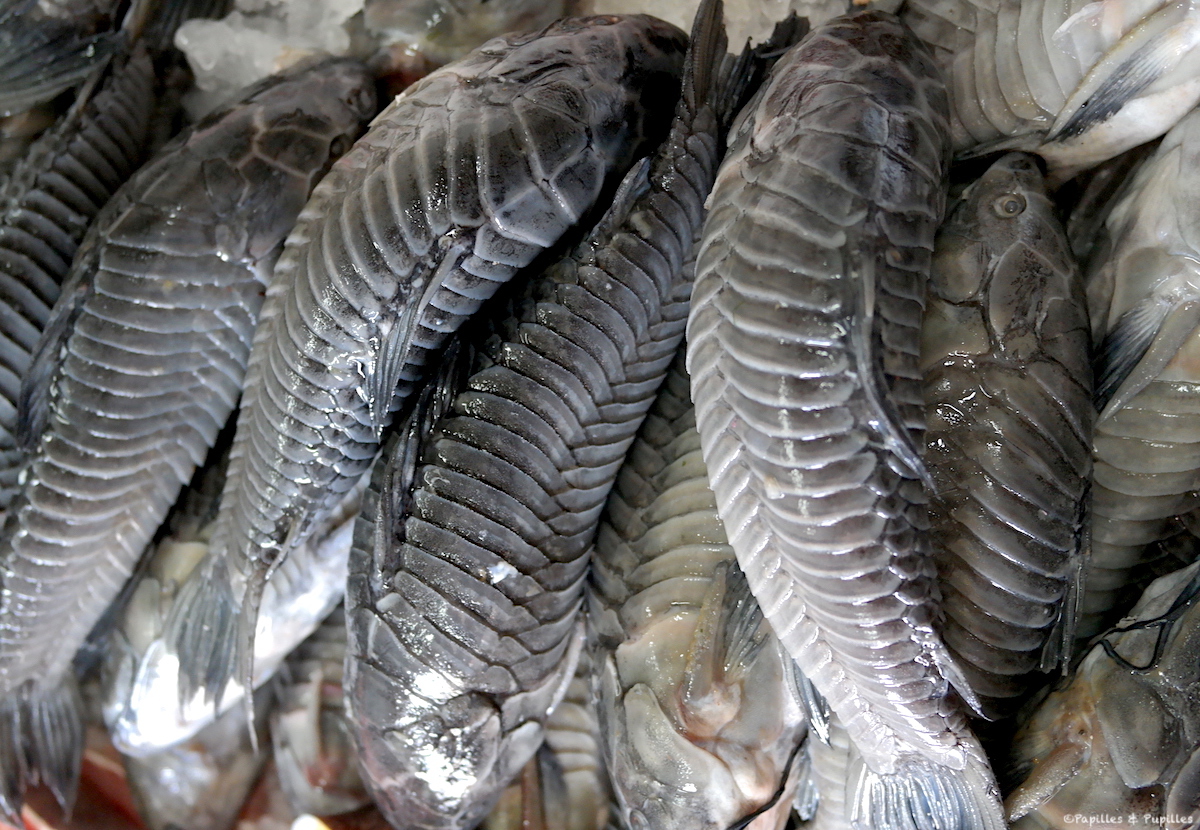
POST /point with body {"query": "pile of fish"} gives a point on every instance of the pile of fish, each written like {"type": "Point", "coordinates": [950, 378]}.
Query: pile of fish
{"type": "Point", "coordinates": [616, 429]}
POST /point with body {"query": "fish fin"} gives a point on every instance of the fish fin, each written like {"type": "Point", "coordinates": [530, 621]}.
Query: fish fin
{"type": "Point", "coordinates": [632, 187]}
{"type": "Point", "coordinates": [33, 402]}
{"type": "Point", "coordinates": [1130, 66]}
{"type": "Point", "coordinates": [396, 342]}
{"type": "Point", "coordinates": [921, 795]}
{"type": "Point", "coordinates": [807, 797]}
{"type": "Point", "coordinates": [885, 416]}
{"type": "Point", "coordinates": [41, 741]}
{"type": "Point", "coordinates": [201, 633]}
{"type": "Point", "coordinates": [1139, 347]}
{"type": "Point", "coordinates": [1045, 780]}
{"type": "Point", "coordinates": [816, 708]}
{"type": "Point", "coordinates": [948, 667]}
{"type": "Point", "coordinates": [1056, 653]}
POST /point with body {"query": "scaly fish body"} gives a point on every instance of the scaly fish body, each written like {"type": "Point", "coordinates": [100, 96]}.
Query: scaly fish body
{"type": "Point", "coordinates": [140, 367]}
{"type": "Point", "coordinates": [698, 706]}
{"type": "Point", "coordinates": [1006, 356]}
{"type": "Point", "coordinates": [475, 559]}
{"type": "Point", "coordinates": [1121, 739]}
{"type": "Point", "coordinates": [803, 349]}
{"type": "Point", "coordinates": [46, 204]}
{"type": "Point", "coordinates": [1144, 299]}
{"type": "Point", "coordinates": [1077, 81]}
{"type": "Point", "coordinates": [460, 183]}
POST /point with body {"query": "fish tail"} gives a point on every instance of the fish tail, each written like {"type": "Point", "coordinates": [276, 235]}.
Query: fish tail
{"type": "Point", "coordinates": [41, 742]}
{"type": "Point", "coordinates": [202, 634]}
{"type": "Point", "coordinates": [922, 795]}
{"type": "Point", "coordinates": [243, 646]}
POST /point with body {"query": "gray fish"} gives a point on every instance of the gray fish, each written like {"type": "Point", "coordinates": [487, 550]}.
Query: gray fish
{"type": "Point", "coordinates": [700, 711]}
{"type": "Point", "coordinates": [47, 203]}
{"type": "Point", "coordinates": [1144, 299]}
{"type": "Point", "coordinates": [461, 182]}
{"type": "Point", "coordinates": [1076, 81]}
{"type": "Point", "coordinates": [48, 46]}
{"type": "Point", "coordinates": [803, 346]}
{"type": "Point", "coordinates": [1005, 349]}
{"type": "Point", "coordinates": [140, 367]}
{"type": "Point", "coordinates": [200, 784]}
{"type": "Point", "coordinates": [1121, 739]}
{"type": "Point", "coordinates": [313, 748]}
{"type": "Point", "coordinates": [466, 579]}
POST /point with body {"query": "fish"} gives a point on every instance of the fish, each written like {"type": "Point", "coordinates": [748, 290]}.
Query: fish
{"type": "Point", "coordinates": [701, 713]}
{"type": "Point", "coordinates": [1144, 303]}
{"type": "Point", "coordinates": [1076, 81]}
{"type": "Point", "coordinates": [466, 577]}
{"type": "Point", "coordinates": [1006, 357]}
{"type": "Point", "coordinates": [140, 697]}
{"type": "Point", "coordinates": [310, 739]}
{"type": "Point", "coordinates": [49, 46]}
{"type": "Point", "coordinates": [139, 367]}
{"type": "Point", "coordinates": [803, 343]}
{"type": "Point", "coordinates": [1120, 739]}
{"type": "Point", "coordinates": [830, 760]}
{"type": "Point", "coordinates": [202, 783]}
{"type": "Point", "coordinates": [565, 785]}
{"type": "Point", "coordinates": [47, 204]}
{"type": "Point", "coordinates": [463, 180]}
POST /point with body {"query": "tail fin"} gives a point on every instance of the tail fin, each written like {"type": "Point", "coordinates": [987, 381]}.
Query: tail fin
{"type": "Point", "coordinates": [201, 632]}
{"type": "Point", "coordinates": [922, 795]}
{"type": "Point", "coordinates": [41, 742]}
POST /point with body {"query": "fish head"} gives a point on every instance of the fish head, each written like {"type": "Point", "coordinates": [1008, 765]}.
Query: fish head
{"type": "Point", "coordinates": [444, 30]}
{"type": "Point", "coordinates": [1003, 274]}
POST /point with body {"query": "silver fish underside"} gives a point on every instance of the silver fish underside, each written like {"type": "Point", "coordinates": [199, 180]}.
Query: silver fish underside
{"type": "Point", "coordinates": [313, 748]}
{"type": "Point", "coordinates": [475, 560]}
{"type": "Point", "coordinates": [46, 204]}
{"type": "Point", "coordinates": [1006, 350]}
{"type": "Point", "coordinates": [460, 183]}
{"type": "Point", "coordinates": [1144, 299]}
{"type": "Point", "coordinates": [1121, 739]}
{"type": "Point", "coordinates": [699, 711]}
{"type": "Point", "coordinates": [1077, 81]}
{"type": "Point", "coordinates": [803, 351]}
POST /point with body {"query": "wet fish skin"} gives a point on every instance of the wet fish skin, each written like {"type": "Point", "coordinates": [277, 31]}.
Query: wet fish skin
{"type": "Point", "coordinates": [155, 292]}
{"type": "Point", "coordinates": [1144, 301]}
{"type": "Point", "coordinates": [1083, 81]}
{"type": "Point", "coordinates": [700, 718]}
{"type": "Point", "coordinates": [476, 557]}
{"type": "Point", "coordinates": [1121, 737]}
{"type": "Point", "coordinates": [803, 348]}
{"type": "Point", "coordinates": [47, 203]}
{"type": "Point", "coordinates": [1006, 357]}
{"type": "Point", "coordinates": [460, 183]}
{"type": "Point", "coordinates": [313, 749]}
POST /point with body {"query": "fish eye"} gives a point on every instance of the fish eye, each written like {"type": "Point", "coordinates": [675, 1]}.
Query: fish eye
{"type": "Point", "coordinates": [1009, 205]}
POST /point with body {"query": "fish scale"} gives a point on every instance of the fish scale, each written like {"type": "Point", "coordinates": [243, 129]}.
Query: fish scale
{"type": "Point", "coordinates": [808, 431]}
{"type": "Point", "coordinates": [46, 205]}
{"type": "Point", "coordinates": [469, 565]}
{"type": "Point", "coordinates": [460, 183]}
{"type": "Point", "coordinates": [139, 369]}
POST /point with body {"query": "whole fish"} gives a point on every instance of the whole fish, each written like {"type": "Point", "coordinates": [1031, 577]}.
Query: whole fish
{"type": "Point", "coordinates": [700, 712]}
{"type": "Point", "coordinates": [48, 46]}
{"type": "Point", "coordinates": [47, 203]}
{"type": "Point", "coordinates": [565, 785]}
{"type": "Point", "coordinates": [140, 366]}
{"type": "Point", "coordinates": [462, 181]}
{"type": "Point", "coordinates": [1144, 299]}
{"type": "Point", "coordinates": [1121, 738]}
{"type": "Point", "coordinates": [141, 702]}
{"type": "Point", "coordinates": [1005, 350]}
{"type": "Point", "coordinates": [1076, 81]}
{"type": "Point", "coordinates": [803, 346]}
{"type": "Point", "coordinates": [474, 557]}
{"type": "Point", "coordinates": [202, 783]}
{"type": "Point", "coordinates": [313, 749]}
